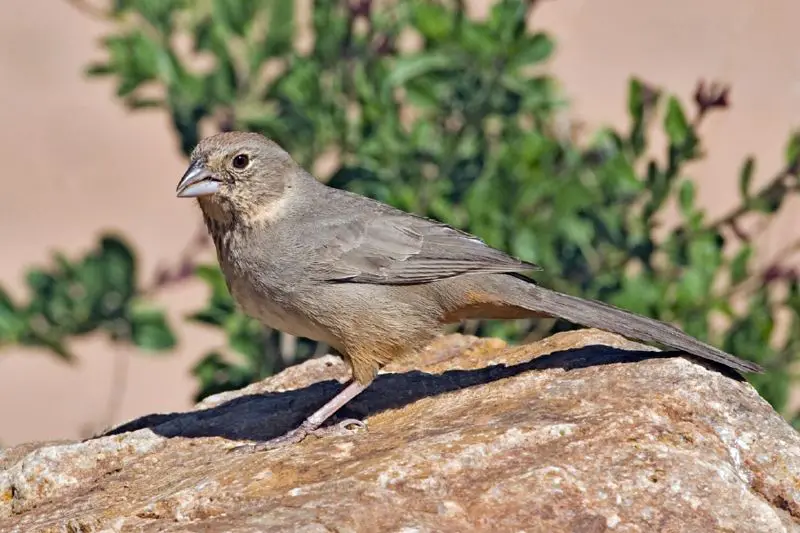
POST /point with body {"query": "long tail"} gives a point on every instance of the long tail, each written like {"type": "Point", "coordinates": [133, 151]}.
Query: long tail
{"type": "Point", "coordinates": [599, 315]}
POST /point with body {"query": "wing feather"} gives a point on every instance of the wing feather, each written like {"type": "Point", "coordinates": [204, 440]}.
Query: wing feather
{"type": "Point", "coordinates": [405, 249]}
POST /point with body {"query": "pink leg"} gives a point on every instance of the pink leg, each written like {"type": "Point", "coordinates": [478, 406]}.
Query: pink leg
{"type": "Point", "coordinates": [310, 425]}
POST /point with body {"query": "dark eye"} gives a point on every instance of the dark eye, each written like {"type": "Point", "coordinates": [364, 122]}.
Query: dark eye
{"type": "Point", "coordinates": [241, 161]}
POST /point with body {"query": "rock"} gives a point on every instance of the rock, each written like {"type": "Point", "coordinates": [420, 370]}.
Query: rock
{"type": "Point", "coordinates": [583, 431]}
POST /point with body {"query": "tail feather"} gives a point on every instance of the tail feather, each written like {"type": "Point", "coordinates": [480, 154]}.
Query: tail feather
{"type": "Point", "coordinates": [599, 315]}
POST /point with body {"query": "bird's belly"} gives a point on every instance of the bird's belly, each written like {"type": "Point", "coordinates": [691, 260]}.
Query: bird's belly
{"type": "Point", "coordinates": [265, 305]}
{"type": "Point", "coordinates": [282, 320]}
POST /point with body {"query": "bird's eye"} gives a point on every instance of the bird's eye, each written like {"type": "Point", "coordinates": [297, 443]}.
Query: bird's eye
{"type": "Point", "coordinates": [241, 161]}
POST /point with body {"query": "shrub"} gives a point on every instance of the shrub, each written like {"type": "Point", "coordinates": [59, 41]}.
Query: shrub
{"type": "Point", "coordinates": [455, 118]}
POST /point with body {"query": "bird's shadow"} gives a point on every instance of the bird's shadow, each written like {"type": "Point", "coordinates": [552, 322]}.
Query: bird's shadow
{"type": "Point", "coordinates": [268, 415]}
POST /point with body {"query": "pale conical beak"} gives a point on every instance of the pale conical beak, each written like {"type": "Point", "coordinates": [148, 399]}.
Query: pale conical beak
{"type": "Point", "coordinates": [197, 181]}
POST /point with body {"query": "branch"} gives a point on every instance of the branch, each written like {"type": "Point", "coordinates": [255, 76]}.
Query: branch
{"type": "Point", "coordinates": [773, 272]}
{"type": "Point", "coordinates": [775, 186]}
{"type": "Point", "coordinates": [185, 267]}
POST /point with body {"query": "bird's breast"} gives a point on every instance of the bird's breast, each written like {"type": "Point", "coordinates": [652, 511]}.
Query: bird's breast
{"type": "Point", "coordinates": [264, 293]}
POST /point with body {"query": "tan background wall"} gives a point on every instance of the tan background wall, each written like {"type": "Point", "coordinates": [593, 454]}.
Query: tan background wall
{"type": "Point", "coordinates": [75, 162]}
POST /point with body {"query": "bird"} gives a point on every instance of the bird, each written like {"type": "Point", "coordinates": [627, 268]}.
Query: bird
{"type": "Point", "coordinates": [372, 281]}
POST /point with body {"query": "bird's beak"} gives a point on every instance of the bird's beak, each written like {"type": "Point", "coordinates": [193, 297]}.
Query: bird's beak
{"type": "Point", "coordinates": [197, 181]}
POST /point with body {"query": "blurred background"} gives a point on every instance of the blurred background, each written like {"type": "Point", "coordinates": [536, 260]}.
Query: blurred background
{"type": "Point", "coordinates": [644, 153]}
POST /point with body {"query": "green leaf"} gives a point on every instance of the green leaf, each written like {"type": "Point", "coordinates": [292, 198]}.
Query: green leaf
{"type": "Point", "coordinates": [100, 69]}
{"type": "Point", "coordinates": [209, 366]}
{"type": "Point", "coordinates": [212, 315]}
{"type": "Point", "coordinates": [532, 50]}
{"type": "Point", "coordinates": [793, 152]}
{"type": "Point", "coordinates": [246, 336]}
{"type": "Point", "coordinates": [769, 203]}
{"type": "Point", "coordinates": [739, 264]}
{"type": "Point", "coordinates": [12, 320]}
{"type": "Point", "coordinates": [524, 244]}
{"type": "Point", "coordinates": [220, 307]}
{"type": "Point", "coordinates": [143, 103]}
{"type": "Point", "coordinates": [432, 20]}
{"type": "Point", "coordinates": [281, 27]}
{"type": "Point", "coordinates": [675, 123]}
{"type": "Point", "coordinates": [53, 344]}
{"type": "Point", "coordinates": [410, 67]}
{"type": "Point", "coordinates": [579, 231]}
{"type": "Point", "coordinates": [746, 177]}
{"type": "Point", "coordinates": [773, 385]}
{"type": "Point", "coordinates": [636, 100]}
{"type": "Point", "coordinates": [235, 17]}
{"type": "Point", "coordinates": [692, 288]}
{"type": "Point", "coordinates": [422, 94]}
{"type": "Point", "coordinates": [330, 31]}
{"type": "Point", "coordinates": [118, 269]}
{"type": "Point", "coordinates": [50, 298]}
{"type": "Point", "coordinates": [705, 251]}
{"type": "Point", "coordinates": [636, 109]}
{"type": "Point", "coordinates": [479, 41]}
{"type": "Point", "coordinates": [218, 375]}
{"type": "Point", "coordinates": [221, 83]}
{"type": "Point", "coordinates": [149, 329]}
{"type": "Point", "coordinates": [507, 15]}
{"type": "Point", "coordinates": [638, 293]}
{"type": "Point", "coordinates": [686, 197]}
{"type": "Point", "coordinates": [136, 58]}
{"type": "Point", "coordinates": [213, 277]}
{"type": "Point", "coordinates": [39, 281]}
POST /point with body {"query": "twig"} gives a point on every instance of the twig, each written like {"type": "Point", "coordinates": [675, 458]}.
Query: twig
{"type": "Point", "coordinates": [164, 277]}
{"type": "Point", "coordinates": [768, 274]}
{"type": "Point", "coordinates": [119, 384]}
{"type": "Point", "coordinates": [184, 269]}
{"type": "Point", "coordinates": [772, 187]}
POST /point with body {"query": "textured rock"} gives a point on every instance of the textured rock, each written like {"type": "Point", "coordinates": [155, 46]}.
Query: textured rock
{"type": "Point", "coordinates": [568, 434]}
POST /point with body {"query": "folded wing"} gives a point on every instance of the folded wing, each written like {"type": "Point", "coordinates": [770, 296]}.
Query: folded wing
{"type": "Point", "coordinates": [404, 249]}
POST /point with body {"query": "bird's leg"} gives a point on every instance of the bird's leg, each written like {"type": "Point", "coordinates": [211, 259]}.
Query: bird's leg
{"type": "Point", "coordinates": [311, 425]}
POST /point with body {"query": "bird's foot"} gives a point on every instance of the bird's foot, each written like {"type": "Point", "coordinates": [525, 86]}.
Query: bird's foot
{"type": "Point", "coordinates": [343, 428]}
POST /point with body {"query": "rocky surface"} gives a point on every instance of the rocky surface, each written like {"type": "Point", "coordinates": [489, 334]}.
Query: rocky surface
{"type": "Point", "coordinates": [568, 434]}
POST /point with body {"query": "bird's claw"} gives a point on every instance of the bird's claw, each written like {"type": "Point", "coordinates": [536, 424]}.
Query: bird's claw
{"type": "Point", "coordinates": [299, 434]}
{"type": "Point", "coordinates": [293, 437]}
{"type": "Point", "coordinates": [340, 429]}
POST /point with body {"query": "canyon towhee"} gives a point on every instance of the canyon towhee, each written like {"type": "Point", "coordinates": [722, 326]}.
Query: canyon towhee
{"type": "Point", "coordinates": [372, 281]}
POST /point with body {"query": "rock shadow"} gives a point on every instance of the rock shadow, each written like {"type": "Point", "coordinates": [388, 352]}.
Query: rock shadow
{"type": "Point", "coordinates": [268, 415]}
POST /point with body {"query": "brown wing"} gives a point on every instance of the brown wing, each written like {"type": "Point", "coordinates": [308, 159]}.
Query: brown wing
{"type": "Point", "coordinates": [404, 249]}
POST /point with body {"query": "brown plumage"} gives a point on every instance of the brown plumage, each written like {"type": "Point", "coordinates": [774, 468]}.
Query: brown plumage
{"type": "Point", "coordinates": [370, 280]}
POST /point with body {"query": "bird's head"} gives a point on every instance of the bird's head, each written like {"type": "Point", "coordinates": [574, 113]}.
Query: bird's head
{"type": "Point", "coordinates": [237, 175]}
